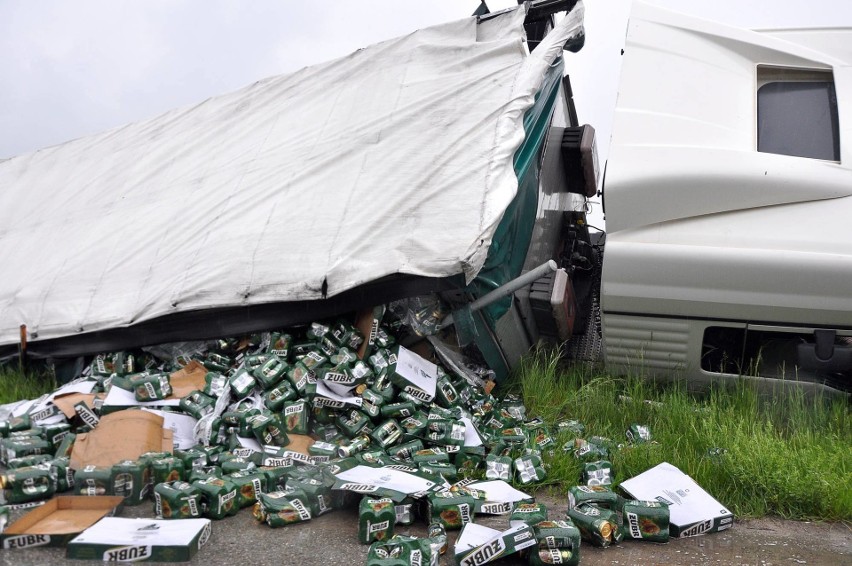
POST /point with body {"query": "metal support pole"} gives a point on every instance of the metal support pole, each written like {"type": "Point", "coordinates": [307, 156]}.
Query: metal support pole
{"type": "Point", "coordinates": [506, 289]}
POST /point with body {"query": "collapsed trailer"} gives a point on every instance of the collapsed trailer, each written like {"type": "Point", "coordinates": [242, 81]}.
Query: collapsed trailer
{"type": "Point", "coordinates": [428, 164]}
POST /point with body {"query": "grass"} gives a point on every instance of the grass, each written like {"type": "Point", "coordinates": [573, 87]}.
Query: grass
{"type": "Point", "coordinates": [16, 385]}
{"type": "Point", "coordinates": [787, 456]}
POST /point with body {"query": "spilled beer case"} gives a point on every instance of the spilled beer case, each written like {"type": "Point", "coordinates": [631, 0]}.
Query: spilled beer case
{"type": "Point", "coordinates": [692, 511]}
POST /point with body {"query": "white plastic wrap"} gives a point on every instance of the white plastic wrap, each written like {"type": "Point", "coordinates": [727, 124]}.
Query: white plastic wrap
{"type": "Point", "coordinates": [395, 159]}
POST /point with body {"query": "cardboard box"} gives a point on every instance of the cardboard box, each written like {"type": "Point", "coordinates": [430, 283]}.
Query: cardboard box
{"type": "Point", "coordinates": [135, 540]}
{"type": "Point", "coordinates": [478, 544]}
{"type": "Point", "coordinates": [692, 511]}
{"type": "Point", "coordinates": [59, 520]}
{"type": "Point", "coordinates": [121, 436]}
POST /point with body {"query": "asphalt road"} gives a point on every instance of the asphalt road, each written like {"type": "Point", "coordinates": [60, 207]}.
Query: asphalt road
{"type": "Point", "coordinates": [331, 540]}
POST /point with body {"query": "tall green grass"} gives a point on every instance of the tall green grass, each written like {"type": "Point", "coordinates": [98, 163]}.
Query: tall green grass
{"type": "Point", "coordinates": [787, 455]}
{"type": "Point", "coordinates": [16, 385]}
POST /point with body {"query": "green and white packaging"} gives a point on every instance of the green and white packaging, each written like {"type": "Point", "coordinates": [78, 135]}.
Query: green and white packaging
{"type": "Point", "coordinates": [114, 539]}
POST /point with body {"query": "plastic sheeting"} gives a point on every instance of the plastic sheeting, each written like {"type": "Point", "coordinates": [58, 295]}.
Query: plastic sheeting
{"type": "Point", "coordinates": [395, 159]}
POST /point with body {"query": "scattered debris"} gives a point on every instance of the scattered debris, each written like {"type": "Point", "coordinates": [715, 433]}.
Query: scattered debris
{"type": "Point", "coordinates": [693, 511]}
{"type": "Point", "coordinates": [301, 422]}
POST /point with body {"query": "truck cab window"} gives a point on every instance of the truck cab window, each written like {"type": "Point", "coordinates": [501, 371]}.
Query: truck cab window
{"type": "Point", "coordinates": [797, 113]}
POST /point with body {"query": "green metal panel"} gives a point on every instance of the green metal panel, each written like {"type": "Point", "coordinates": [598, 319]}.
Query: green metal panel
{"type": "Point", "coordinates": [511, 240]}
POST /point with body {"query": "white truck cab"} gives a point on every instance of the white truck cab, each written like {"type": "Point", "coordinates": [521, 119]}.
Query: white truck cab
{"type": "Point", "coordinates": [728, 199]}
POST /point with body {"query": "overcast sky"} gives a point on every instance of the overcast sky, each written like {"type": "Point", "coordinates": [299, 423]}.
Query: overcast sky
{"type": "Point", "coordinates": [74, 67]}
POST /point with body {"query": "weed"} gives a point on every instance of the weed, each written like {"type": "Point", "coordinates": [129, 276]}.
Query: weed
{"type": "Point", "coordinates": [785, 455]}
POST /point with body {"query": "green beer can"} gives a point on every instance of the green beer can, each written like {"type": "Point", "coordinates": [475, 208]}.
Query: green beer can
{"type": "Point", "coordinates": [279, 344]}
{"type": "Point", "coordinates": [387, 434]}
{"type": "Point", "coordinates": [352, 422]}
{"type": "Point", "coordinates": [296, 416]}
{"type": "Point", "coordinates": [282, 508]}
{"type": "Point", "coordinates": [177, 500]}
{"type": "Point", "coordinates": [270, 372]}
{"type": "Point", "coordinates": [498, 467]}
{"type": "Point", "coordinates": [219, 496]}
{"type": "Point", "coordinates": [357, 444]}
{"type": "Point", "coordinates": [430, 455]}
{"type": "Point", "coordinates": [167, 469]}
{"type": "Point", "coordinates": [415, 425]}
{"type": "Point", "coordinates": [250, 484]}
{"type": "Point", "coordinates": [197, 404]}
{"type": "Point", "coordinates": [128, 481]}
{"type": "Point", "coordinates": [151, 387]}
{"type": "Point", "coordinates": [60, 472]}
{"type": "Point", "coordinates": [275, 398]}
{"type": "Point", "coordinates": [451, 510]}
{"type": "Point", "coordinates": [65, 447]}
{"type": "Point", "coordinates": [27, 461]}
{"type": "Point", "coordinates": [371, 403]}
{"type": "Point", "coordinates": [299, 375]}
{"type": "Point", "coordinates": [322, 451]}
{"type": "Point", "coordinates": [26, 484]}
{"type": "Point", "coordinates": [241, 383]}
{"type": "Point", "coordinates": [638, 434]}
{"type": "Point", "coordinates": [317, 493]}
{"type": "Point", "coordinates": [597, 473]}
{"type": "Point", "coordinates": [528, 513]}
{"type": "Point", "coordinates": [56, 433]}
{"type": "Point", "coordinates": [398, 410]}
{"type": "Point", "coordinates": [600, 495]}
{"type": "Point", "coordinates": [406, 450]}
{"type": "Point", "coordinates": [376, 520]}
{"type": "Point", "coordinates": [646, 520]}
{"type": "Point", "coordinates": [404, 510]}
{"type": "Point", "coordinates": [237, 464]}
{"type": "Point", "coordinates": [93, 480]}
{"type": "Point", "coordinates": [215, 384]}
{"type": "Point", "coordinates": [557, 534]}
{"type": "Point", "coordinates": [598, 526]}
{"type": "Point", "coordinates": [268, 429]}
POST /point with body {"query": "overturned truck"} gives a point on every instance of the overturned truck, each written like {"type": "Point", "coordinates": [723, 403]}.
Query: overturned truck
{"type": "Point", "coordinates": [451, 163]}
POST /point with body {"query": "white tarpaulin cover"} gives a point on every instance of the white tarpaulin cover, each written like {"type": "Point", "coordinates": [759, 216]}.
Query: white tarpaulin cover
{"type": "Point", "coordinates": [395, 159]}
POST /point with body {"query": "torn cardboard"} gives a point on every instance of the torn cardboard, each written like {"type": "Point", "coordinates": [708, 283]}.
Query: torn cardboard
{"type": "Point", "coordinates": [121, 436]}
{"type": "Point", "coordinates": [59, 520]}
{"type": "Point", "coordinates": [182, 427]}
{"type": "Point", "coordinates": [187, 379]}
{"type": "Point", "coordinates": [692, 511]}
{"type": "Point", "coordinates": [183, 382]}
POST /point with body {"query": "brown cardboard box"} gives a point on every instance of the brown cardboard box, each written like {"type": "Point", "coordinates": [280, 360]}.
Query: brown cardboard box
{"type": "Point", "coordinates": [124, 435]}
{"type": "Point", "coordinates": [59, 520]}
{"type": "Point", "coordinates": [187, 379]}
